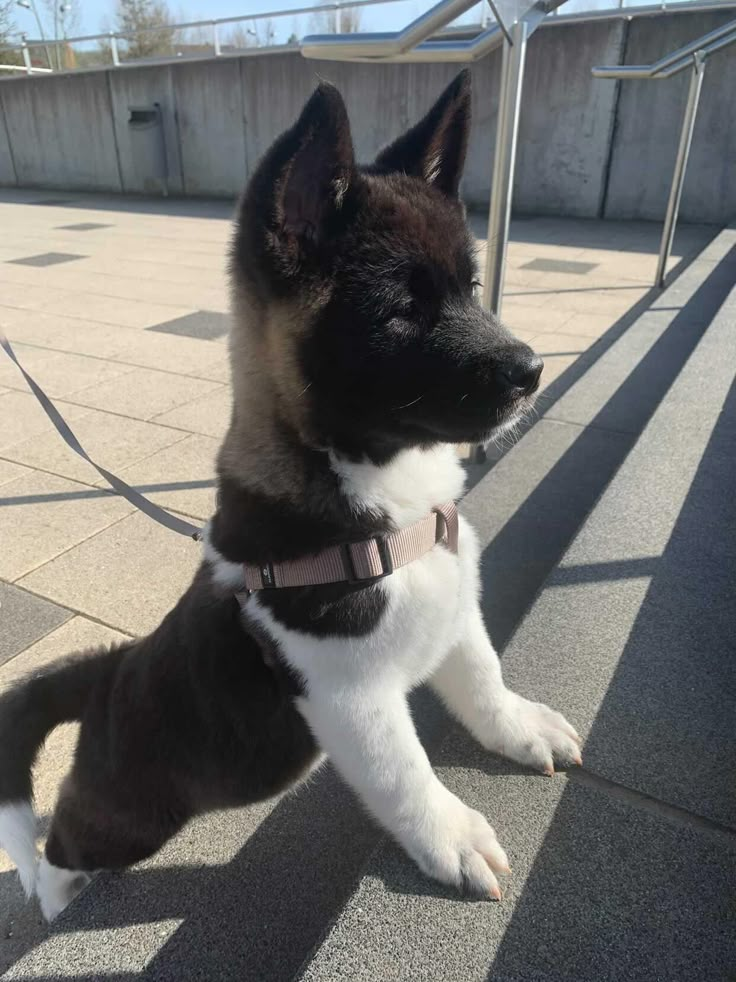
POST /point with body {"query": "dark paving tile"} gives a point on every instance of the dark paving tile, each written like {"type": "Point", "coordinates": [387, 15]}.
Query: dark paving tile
{"type": "Point", "coordinates": [207, 325]}
{"type": "Point", "coordinates": [82, 227]}
{"type": "Point", "coordinates": [600, 890]}
{"type": "Point", "coordinates": [51, 201]}
{"type": "Point", "coordinates": [559, 266]}
{"type": "Point", "coordinates": [24, 619]}
{"type": "Point", "coordinates": [46, 259]}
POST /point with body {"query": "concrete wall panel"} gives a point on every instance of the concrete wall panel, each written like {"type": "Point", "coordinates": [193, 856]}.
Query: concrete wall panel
{"type": "Point", "coordinates": [209, 106]}
{"type": "Point", "coordinates": [60, 128]}
{"type": "Point", "coordinates": [648, 128]}
{"type": "Point", "coordinates": [566, 119]}
{"type": "Point", "coordinates": [7, 168]}
{"type": "Point", "coordinates": [143, 87]}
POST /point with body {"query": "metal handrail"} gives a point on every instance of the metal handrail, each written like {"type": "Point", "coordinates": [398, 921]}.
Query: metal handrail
{"type": "Point", "coordinates": [386, 44]}
{"type": "Point", "coordinates": [694, 56]}
{"type": "Point", "coordinates": [676, 61]}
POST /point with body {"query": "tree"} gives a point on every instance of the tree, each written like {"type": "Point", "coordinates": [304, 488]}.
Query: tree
{"type": "Point", "coordinates": [7, 55]}
{"type": "Point", "coordinates": [331, 21]}
{"type": "Point", "coordinates": [147, 27]}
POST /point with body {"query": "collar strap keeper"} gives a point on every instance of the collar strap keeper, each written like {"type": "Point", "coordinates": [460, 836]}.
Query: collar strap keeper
{"type": "Point", "coordinates": [360, 562]}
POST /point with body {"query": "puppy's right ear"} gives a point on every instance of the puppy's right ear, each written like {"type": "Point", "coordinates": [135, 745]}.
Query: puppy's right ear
{"type": "Point", "coordinates": [306, 173]}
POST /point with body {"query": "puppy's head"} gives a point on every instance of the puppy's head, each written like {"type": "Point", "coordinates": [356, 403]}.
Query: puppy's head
{"type": "Point", "coordinates": [357, 286]}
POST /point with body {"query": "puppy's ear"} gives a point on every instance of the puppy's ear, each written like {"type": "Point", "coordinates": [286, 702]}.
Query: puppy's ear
{"type": "Point", "coordinates": [307, 171]}
{"type": "Point", "coordinates": [434, 149]}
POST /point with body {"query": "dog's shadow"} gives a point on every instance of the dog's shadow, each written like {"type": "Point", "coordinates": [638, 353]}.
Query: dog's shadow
{"type": "Point", "coordinates": [253, 909]}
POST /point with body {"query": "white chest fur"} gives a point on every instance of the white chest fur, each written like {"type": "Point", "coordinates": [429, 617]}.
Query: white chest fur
{"type": "Point", "coordinates": [426, 601]}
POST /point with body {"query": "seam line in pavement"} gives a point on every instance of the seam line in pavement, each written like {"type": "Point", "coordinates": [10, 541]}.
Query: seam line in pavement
{"type": "Point", "coordinates": [58, 555]}
{"type": "Point", "coordinates": [590, 426]}
{"type": "Point", "coordinates": [64, 606]}
{"type": "Point", "coordinates": [105, 489]}
{"type": "Point", "coordinates": [115, 361]}
{"type": "Point", "coordinates": [654, 806]}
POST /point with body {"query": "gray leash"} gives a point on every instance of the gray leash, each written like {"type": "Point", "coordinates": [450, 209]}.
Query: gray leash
{"type": "Point", "coordinates": [136, 499]}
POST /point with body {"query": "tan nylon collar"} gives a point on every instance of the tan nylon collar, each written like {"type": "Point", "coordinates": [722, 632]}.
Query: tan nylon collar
{"type": "Point", "coordinates": [360, 562]}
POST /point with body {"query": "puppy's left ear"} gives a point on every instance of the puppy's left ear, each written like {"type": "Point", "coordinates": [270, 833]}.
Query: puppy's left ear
{"type": "Point", "coordinates": [435, 148]}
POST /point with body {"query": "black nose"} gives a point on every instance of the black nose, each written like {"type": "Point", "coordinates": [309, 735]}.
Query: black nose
{"type": "Point", "coordinates": [520, 369]}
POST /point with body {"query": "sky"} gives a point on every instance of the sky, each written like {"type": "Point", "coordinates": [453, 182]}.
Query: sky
{"type": "Point", "coordinates": [95, 16]}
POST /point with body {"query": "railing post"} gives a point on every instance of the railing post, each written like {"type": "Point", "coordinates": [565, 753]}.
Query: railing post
{"type": "Point", "coordinates": [216, 39]}
{"type": "Point", "coordinates": [114, 50]}
{"type": "Point", "coordinates": [502, 186]}
{"type": "Point", "coordinates": [683, 153]}
{"type": "Point", "coordinates": [26, 57]}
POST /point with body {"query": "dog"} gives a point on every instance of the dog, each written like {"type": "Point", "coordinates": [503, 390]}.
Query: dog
{"type": "Point", "coordinates": [336, 576]}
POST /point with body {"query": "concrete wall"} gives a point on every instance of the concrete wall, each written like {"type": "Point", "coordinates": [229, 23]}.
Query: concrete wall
{"type": "Point", "coordinates": [586, 147]}
{"type": "Point", "coordinates": [648, 128]}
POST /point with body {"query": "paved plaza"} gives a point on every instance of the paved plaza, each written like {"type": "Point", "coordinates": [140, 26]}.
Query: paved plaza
{"type": "Point", "coordinates": [118, 308]}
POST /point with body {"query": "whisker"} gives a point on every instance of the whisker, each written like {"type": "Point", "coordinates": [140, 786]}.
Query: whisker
{"type": "Point", "coordinates": [412, 403]}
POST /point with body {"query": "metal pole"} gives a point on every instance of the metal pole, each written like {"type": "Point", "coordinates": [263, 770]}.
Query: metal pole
{"type": "Point", "coordinates": [26, 57]}
{"type": "Point", "coordinates": [216, 39]}
{"type": "Point", "coordinates": [114, 50]}
{"type": "Point", "coordinates": [502, 186]}
{"type": "Point", "coordinates": [683, 153]}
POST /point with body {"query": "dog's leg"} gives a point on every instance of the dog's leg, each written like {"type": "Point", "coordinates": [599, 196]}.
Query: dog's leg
{"type": "Point", "coordinates": [470, 684]}
{"type": "Point", "coordinates": [369, 736]}
{"type": "Point", "coordinates": [90, 831]}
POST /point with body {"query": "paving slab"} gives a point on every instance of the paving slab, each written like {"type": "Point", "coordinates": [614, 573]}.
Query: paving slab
{"type": "Point", "coordinates": [143, 393]}
{"type": "Point", "coordinates": [128, 576]}
{"type": "Point", "coordinates": [600, 890]}
{"type": "Point", "coordinates": [633, 634]}
{"type": "Point", "coordinates": [528, 507]}
{"type": "Point", "coordinates": [21, 923]}
{"type": "Point", "coordinates": [47, 259]}
{"type": "Point", "coordinates": [207, 325]}
{"type": "Point", "coordinates": [116, 310]}
{"type": "Point", "coordinates": [24, 619]}
{"type": "Point", "coordinates": [41, 517]}
{"type": "Point", "coordinates": [57, 373]}
{"type": "Point", "coordinates": [22, 418]}
{"type": "Point", "coordinates": [209, 415]}
{"type": "Point", "coordinates": [113, 441]}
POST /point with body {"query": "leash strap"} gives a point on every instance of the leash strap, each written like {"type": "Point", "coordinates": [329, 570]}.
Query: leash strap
{"type": "Point", "coordinates": [136, 499]}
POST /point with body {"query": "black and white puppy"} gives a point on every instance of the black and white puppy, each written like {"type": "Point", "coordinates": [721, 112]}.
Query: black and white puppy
{"type": "Point", "coordinates": [359, 358]}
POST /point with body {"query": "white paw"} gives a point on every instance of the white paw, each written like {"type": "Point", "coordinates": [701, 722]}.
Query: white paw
{"type": "Point", "coordinates": [533, 734]}
{"type": "Point", "coordinates": [456, 845]}
{"type": "Point", "coordinates": [56, 888]}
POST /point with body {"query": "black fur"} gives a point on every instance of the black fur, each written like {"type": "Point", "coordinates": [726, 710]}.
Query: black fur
{"type": "Point", "coordinates": [376, 267]}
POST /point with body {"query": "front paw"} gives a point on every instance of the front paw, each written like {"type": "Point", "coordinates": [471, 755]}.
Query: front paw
{"type": "Point", "coordinates": [455, 845]}
{"type": "Point", "coordinates": [533, 734]}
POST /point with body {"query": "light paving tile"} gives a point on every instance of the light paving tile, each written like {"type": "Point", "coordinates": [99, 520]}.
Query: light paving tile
{"type": "Point", "coordinates": [70, 334]}
{"type": "Point", "coordinates": [10, 471]}
{"type": "Point", "coordinates": [144, 393]}
{"type": "Point", "coordinates": [42, 515]}
{"type": "Point", "coordinates": [590, 324]}
{"type": "Point", "coordinates": [31, 295]}
{"type": "Point", "coordinates": [129, 576]}
{"type": "Point", "coordinates": [115, 310]}
{"type": "Point", "coordinates": [527, 317]}
{"type": "Point", "coordinates": [209, 415]}
{"type": "Point", "coordinates": [112, 441]}
{"type": "Point", "coordinates": [22, 418]}
{"type": "Point", "coordinates": [185, 356]}
{"type": "Point", "coordinates": [556, 345]}
{"type": "Point", "coordinates": [59, 374]}
{"type": "Point", "coordinates": [180, 477]}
